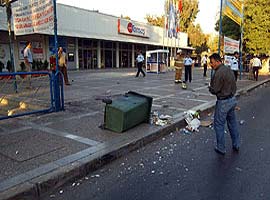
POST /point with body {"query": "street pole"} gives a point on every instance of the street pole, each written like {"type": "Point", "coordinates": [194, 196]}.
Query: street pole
{"type": "Point", "coordinates": [56, 76]}
{"type": "Point", "coordinates": [220, 25]}
{"type": "Point", "coordinates": [241, 43]}
{"type": "Point", "coordinates": [9, 14]}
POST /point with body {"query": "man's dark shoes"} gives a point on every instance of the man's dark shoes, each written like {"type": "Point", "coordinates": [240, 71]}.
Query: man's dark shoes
{"type": "Point", "coordinates": [219, 152]}
{"type": "Point", "coordinates": [236, 149]}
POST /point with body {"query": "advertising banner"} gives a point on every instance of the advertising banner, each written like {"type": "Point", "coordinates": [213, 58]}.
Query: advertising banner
{"type": "Point", "coordinates": [230, 45]}
{"type": "Point", "coordinates": [33, 16]}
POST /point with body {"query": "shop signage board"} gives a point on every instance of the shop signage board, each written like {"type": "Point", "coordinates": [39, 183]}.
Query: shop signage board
{"type": "Point", "coordinates": [234, 10]}
{"type": "Point", "coordinates": [37, 50]}
{"type": "Point", "coordinates": [132, 28]}
{"type": "Point", "coordinates": [33, 16]}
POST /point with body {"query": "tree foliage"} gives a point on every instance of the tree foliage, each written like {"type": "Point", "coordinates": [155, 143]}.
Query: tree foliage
{"type": "Point", "coordinates": [257, 26]}
{"type": "Point", "coordinates": [229, 28]}
{"type": "Point", "coordinates": [189, 13]}
{"type": "Point", "coordinates": [197, 38]}
{"type": "Point", "coordinates": [156, 20]}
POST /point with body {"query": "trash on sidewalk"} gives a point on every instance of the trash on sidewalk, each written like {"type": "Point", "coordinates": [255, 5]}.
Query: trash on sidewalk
{"type": "Point", "coordinates": [206, 123]}
{"type": "Point", "coordinates": [185, 131]}
{"type": "Point", "coordinates": [160, 120]}
{"type": "Point", "coordinates": [241, 122]}
{"type": "Point", "coordinates": [237, 108]}
{"type": "Point", "coordinates": [192, 120]}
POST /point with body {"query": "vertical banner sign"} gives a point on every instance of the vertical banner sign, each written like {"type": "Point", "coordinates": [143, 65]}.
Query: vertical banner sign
{"type": "Point", "coordinates": [33, 16]}
{"type": "Point", "coordinates": [172, 20]}
{"type": "Point", "coordinates": [230, 45]}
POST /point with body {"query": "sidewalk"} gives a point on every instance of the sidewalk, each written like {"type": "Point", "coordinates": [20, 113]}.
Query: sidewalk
{"type": "Point", "coordinates": [41, 152]}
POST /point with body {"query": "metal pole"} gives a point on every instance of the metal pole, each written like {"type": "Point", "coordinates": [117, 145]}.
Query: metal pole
{"type": "Point", "coordinates": [220, 25]}
{"type": "Point", "coordinates": [56, 76]}
{"type": "Point", "coordinates": [13, 68]}
{"type": "Point", "coordinates": [241, 43]}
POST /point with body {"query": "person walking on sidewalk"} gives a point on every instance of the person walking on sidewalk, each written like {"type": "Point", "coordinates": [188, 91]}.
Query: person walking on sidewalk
{"type": "Point", "coordinates": [62, 60]}
{"type": "Point", "coordinates": [235, 64]}
{"type": "Point", "coordinates": [256, 65]}
{"type": "Point", "coordinates": [139, 61]}
{"type": "Point", "coordinates": [188, 68]}
{"type": "Point", "coordinates": [204, 63]}
{"type": "Point", "coordinates": [223, 85]}
{"type": "Point", "coordinates": [28, 61]}
{"type": "Point", "coordinates": [178, 64]}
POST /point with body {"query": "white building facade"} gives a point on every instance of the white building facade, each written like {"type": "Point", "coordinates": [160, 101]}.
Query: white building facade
{"type": "Point", "coordinates": [91, 40]}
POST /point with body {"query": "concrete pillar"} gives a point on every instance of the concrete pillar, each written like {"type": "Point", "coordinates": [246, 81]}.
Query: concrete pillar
{"type": "Point", "coordinates": [133, 56]}
{"type": "Point", "coordinates": [117, 54]}
{"type": "Point", "coordinates": [76, 53]}
{"type": "Point", "coordinates": [99, 55]}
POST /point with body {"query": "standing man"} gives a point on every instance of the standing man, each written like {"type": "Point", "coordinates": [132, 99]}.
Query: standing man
{"type": "Point", "coordinates": [188, 68]}
{"type": "Point", "coordinates": [235, 64]}
{"type": "Point", "coordinates": [223, 85]}
{"type": "Point", "coordinates": [178, 64]}
{"type": "Point", "coordinates": [256, 65]}
{"type": "Point", "coordinates": [63, 64]}
{"type": "Point", "coordinates": [28, 60]}
{"type": "Point", "coordinates": [140, 60]}
{"type": "Point", "coordinates": [204, 63]}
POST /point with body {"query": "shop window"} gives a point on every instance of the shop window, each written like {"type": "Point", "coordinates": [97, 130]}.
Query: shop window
{"type": "Point", "coordinates": [108, 45]}
{"type": "Point", "coordinates": [87, 43]}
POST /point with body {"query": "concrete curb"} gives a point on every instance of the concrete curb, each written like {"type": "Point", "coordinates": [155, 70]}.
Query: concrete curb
{"type": "Point", "coordinates": [34, 188]}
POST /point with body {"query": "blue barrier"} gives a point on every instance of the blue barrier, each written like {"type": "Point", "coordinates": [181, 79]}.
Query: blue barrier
{"type": "Point", "coordinates": [26, 93]}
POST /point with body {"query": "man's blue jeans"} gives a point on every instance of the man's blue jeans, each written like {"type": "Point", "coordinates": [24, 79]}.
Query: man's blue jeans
{"type": "Point", "coordinates": [225, 111]}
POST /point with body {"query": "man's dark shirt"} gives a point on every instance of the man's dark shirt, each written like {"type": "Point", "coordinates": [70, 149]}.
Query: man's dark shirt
{"type": "Point", "coordinates": [223, 83]}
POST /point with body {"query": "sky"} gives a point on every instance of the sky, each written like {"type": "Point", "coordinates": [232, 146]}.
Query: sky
{"type": "Point", "coordinates": [137, 10]}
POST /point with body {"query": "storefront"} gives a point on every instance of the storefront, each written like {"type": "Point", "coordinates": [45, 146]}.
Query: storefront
{"type": "Point", "coordinates": [92, 40]}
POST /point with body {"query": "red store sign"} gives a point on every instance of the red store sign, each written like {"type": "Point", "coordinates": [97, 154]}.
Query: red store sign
{"type": "Point", "coordinates": [130, 28]}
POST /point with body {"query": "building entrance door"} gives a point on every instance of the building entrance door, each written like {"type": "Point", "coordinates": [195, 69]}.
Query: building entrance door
{"type": "Point", "coordinates": [87, 59]}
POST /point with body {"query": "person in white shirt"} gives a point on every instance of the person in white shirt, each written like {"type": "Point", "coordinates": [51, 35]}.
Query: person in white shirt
{"type": "Point", "coordinates": [256, 65]}
{"type": "Point", "coordinates": [204, 63]}
{"type": "Point", "coordinates": [235, 64]}
{"type": "Point", "coordinates": [28, 61]}
{"type": "Point", "coordinates": [139, 61]}
{"type": "Point", "coordinates": [188, 68]}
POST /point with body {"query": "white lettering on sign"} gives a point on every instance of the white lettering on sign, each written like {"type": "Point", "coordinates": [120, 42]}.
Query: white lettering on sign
{"type": "Point", "coordinates": [130, 28]}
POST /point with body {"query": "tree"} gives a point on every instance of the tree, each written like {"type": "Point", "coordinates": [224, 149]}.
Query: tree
{"type": "Point", "coordinates": [189, 13]}
{"type": "Point", "coordinates": [229, 28]}
{"type": "Point", "coordinates": [187, 17]}
{"type": "Point", "coordinates": [155, 20]}
{"type": "Point", "coordinates": [257, 26]}
{"type": "Point", "coordinates": [197, 38]}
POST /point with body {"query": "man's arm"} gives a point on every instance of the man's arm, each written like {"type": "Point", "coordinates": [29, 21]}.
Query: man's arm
{"type": "Point", "coordinates": [216, 84]}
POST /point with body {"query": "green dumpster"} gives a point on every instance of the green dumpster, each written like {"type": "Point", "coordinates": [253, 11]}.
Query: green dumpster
{"type": "Point", "coordinates": [127, 111]}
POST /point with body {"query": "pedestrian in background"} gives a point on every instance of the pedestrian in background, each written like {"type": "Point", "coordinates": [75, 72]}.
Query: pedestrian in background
{"type": "Point", "coordinates": [178, 65]}
{"type": "Point", "coordinates": [28, 60]}
{"type": "Point", "coordinates": [235, 64]}
{"type": "Point", "coordinates": [139, 61]}
{"type": "Point", "coordinates": [188, 68]}
{"type": "Point", "coordinates": [223, 85]}
{"type": "Point", "coordinates": [62, 62]}
{"type": "Point", "coordinates": [256, 65]}
{"type": "Point", "coordinates": [204, 63]}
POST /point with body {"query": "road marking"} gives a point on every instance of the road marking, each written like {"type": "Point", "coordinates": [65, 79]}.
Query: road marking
{"type": "Point", "coordinates": [63, 134]}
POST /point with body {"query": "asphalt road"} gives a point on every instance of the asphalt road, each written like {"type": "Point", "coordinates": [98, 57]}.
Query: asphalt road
{"type": "Point", "coordinates": [185, 166]}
